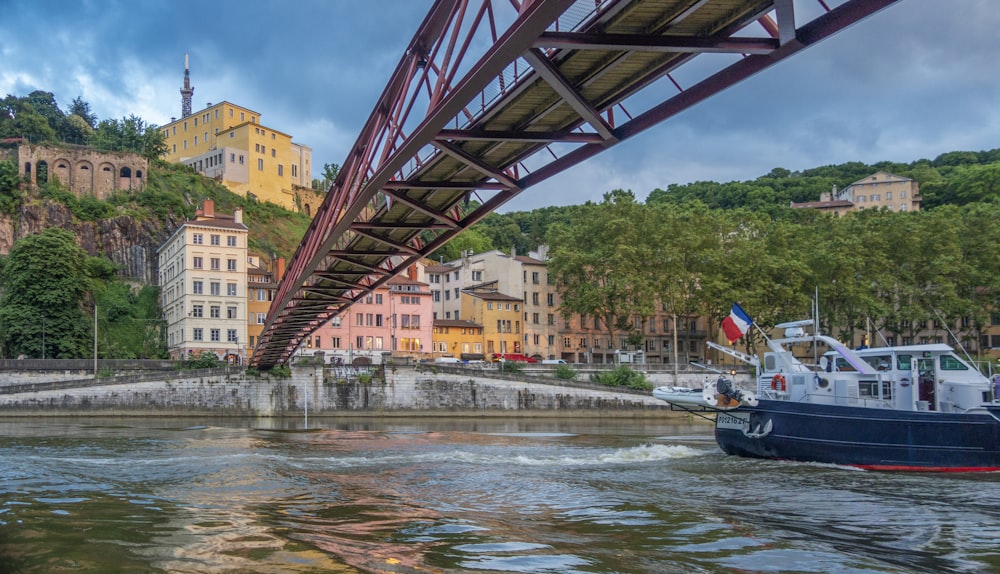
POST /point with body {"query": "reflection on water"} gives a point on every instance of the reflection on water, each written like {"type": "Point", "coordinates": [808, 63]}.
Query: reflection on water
{"type": "Point", "coordinates": [438, 495]}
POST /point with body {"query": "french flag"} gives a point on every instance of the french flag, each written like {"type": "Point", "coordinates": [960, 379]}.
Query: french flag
{"type": "Point", "coordinates": [736, 324]}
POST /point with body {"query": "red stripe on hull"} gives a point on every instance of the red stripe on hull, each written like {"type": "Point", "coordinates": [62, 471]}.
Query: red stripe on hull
{"type": "Point", "coordinates": [894, 467]}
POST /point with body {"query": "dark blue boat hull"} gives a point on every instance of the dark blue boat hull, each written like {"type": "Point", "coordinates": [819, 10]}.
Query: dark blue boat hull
{"type": "Point", "coordinates": [870, 438]}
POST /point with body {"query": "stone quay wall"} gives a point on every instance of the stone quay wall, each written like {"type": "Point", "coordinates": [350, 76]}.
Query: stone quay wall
{"type": "Point", "coordinates": [316, 391]}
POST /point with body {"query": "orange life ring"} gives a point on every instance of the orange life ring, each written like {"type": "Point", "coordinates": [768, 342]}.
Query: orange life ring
{"type": "Point", "coordinates": [778, 383]}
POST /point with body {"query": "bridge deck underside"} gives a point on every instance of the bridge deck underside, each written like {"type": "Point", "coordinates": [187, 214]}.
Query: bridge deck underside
{"type": "Point", "coordinates": [568, 97]}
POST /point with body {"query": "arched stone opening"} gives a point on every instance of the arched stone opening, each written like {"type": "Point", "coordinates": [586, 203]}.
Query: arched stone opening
{"type": "Point", "coordinates": [61, 173]}
{"type": "Point", "coordinates": [83, 178]}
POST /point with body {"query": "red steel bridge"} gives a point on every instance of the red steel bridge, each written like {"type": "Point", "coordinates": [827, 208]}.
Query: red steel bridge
{"type": "Point", "coordinates": [492, 97]}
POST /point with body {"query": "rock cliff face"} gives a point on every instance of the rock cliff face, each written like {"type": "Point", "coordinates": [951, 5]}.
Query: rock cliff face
{"type": "Point", "coordinates": [128, 241]}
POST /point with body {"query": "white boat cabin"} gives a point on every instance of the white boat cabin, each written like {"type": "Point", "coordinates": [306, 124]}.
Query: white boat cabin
{"type": "Point", "coordinates": [911, 378]}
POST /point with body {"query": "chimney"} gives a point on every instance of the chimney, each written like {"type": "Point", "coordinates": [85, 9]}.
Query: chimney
{"type": "Point", "coordinates": [238, 215]}
{"type": "Point", "coordinates": [208, 208]}
{"type": "Point", "coordinates": [411, 272]}
{"type": "Point", "coordinates": [279, 268]}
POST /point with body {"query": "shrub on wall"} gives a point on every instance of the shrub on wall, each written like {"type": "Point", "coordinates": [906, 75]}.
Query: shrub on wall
{"type": "Point", "coordinates": [622, 377]}
{"type": "Point", "coordinates": [565, 372]}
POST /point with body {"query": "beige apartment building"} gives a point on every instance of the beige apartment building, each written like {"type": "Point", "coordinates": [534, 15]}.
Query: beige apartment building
{"type": "Point", "coordinates": [203, 278]}
{"type": "Point", "coordinates": [523, 276]}
{"type": "Point", "coordinates": [879, 190]}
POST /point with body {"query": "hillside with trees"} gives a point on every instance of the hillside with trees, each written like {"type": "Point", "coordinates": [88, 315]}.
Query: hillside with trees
{"type": "Point", "coordinates": [691, 248]}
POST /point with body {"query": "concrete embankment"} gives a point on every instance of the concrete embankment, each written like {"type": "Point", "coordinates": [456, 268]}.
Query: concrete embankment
{"type": "Point", "coordinates": [319, 391]}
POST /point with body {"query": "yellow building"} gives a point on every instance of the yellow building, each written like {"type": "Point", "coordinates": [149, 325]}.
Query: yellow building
{"type": "Point", "coordinates": [203, 285]}
{"type": "Point", "coordinates": [457, 338]}
{"type": "Point", "coordinates": [262, 284]}
{"type": "Point", "coordinates": [229, 143]}
{"type": "Point", "coordinates": [500, 316]}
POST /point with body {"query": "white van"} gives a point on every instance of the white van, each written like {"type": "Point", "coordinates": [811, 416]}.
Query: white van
{"type": "Point", "coordinates": [447, 360]}
{"type": "Point", "coordinates": [554, 362]}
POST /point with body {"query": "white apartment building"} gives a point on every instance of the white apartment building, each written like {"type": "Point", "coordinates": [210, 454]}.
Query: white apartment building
{"type": "Point", "coordinates": [203, 281]}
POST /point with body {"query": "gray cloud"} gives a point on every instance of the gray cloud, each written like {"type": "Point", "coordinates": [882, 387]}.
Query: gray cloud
{"type": "Point", "coordinates": [915, 80]}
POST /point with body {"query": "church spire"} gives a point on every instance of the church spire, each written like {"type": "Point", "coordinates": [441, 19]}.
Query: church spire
{"type": "Point", "coordinates": [187, 91]}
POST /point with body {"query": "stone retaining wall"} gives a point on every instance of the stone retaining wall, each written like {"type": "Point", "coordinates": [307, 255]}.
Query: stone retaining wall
{"type": "Point", "coordinates": [406, 392]}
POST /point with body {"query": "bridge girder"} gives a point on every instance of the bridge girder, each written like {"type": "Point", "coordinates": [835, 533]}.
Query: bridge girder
{"type": "Point", "coordinates": [457, 133]}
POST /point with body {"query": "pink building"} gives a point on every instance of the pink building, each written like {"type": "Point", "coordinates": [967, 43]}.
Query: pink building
{"type": "Point", "coordinates": [396, 318]}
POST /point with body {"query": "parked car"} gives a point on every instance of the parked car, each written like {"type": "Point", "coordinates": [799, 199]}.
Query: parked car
{"type": "Point", "coordinates": [554, 362]}
{"type": "Point", "coordinates": [513, 357]}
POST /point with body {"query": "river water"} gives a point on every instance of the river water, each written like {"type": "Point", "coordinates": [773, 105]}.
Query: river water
{"type": "Point", "coordinates": [460, 495]}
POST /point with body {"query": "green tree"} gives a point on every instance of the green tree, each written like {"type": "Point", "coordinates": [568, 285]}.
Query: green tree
{"type": "Point", "coordinates": [44, 286]}
{"type": "Point", "coordinates": [81, 109]}
{"type": "Point", "coordinates": [600, 263]}
{"type": "Point", "coordinates": [10, 193]}
{"type": "Point", "coordinates": [131, 134]}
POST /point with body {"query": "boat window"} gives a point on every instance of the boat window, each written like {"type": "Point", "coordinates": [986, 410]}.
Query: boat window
{"type": "Point", "coordinates": [879, 362]}
{"type": "Point", "coordinates": [903, 362]}
{"type": "Point", "coordinates": [952, 363]}
{"type": "Point", "coordinates": [843, 365]}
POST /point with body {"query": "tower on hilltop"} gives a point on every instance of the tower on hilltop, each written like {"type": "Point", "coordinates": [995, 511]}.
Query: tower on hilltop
{"type": "Point", "coordinates": [187, 91]}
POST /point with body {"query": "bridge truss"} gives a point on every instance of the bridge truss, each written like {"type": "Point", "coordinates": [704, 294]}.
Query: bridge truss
{"type": "Point", "coordinates": [492, 97]}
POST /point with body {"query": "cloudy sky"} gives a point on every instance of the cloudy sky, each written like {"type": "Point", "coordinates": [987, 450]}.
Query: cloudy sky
{"type": "Point", "coordinates": [914, 81]}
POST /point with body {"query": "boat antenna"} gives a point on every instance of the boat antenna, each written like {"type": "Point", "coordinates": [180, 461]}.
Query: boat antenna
{"type": "Point", "coordinates": [815, 314]}
{"type": "Point", "coordinates": [957, 341]}
{"type": "Point", "coordinates": [878, 331]}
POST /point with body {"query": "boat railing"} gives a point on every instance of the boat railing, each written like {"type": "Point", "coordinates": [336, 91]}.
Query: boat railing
{"type": "Point", "coordinates": [827, 398]}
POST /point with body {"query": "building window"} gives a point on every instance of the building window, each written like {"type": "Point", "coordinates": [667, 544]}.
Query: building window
{"type": "Point", "coordinates": [215, 287]}
{"type": "Point", "coordinates": [241, 159]}
{"type": "Point", "coordinates": [534, 277]}
{"type": "Point", "coordinates": [197, 239]}
{"type": "Point", "coordinates": [231, 240]}
{"type": "Point", "coordinates": [197, 263]}
{"type": "Point", "coordinates": [230, 312]}
{"type": "Point", "coordinates": [261, 318]}
{"type": "Point", "coordinates": [215, 264]}
{"type": "Point", "coordinates": [272, 152]}
{"type": "Point", "coordinates": [197, 311]}
{"type": "Point", "coordinates": [295, 170]}
{"type": "Point", "coordinates": [197, 288]}
{"type": "Point", "coordinates": [260, 164]}
{"type": "Point", "coordinates": [216, 239]}
{"type": "Point", "coordinates": [214, 311]}
{"type": "Point", "coordinates": [214, 334]}
{"type": "Point", "coordinates": [231, 336]}
{"type": "Point", "coordinates": [231, 264]}
{"type": "Point", "coordinates": [231, 289]}
{"type": "Point", "coordinates": [197, 335]}
{"type": "Point", "coordinates": [281, 170]}
{"type": "Point", "coordinates": [232, 158]}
